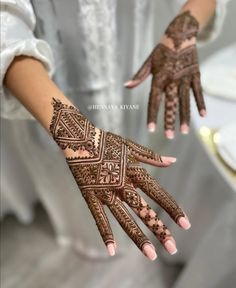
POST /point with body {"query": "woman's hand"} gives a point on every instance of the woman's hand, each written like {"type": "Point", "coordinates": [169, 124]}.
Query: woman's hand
{"type": "Point", "coordinates": [174, 66]}
{"type": "Point", "coordinates": [107, 170]}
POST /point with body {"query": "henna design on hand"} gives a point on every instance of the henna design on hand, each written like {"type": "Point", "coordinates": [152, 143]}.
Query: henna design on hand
{"type": "Point", "coordinates": [107, 172]}
{"type": "Point", "coordinates": [174, 72]}
{"type": "Point", "coordinates": [182, 28]}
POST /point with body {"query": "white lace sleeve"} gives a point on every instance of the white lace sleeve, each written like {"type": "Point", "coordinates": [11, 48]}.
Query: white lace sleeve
{"type": "Point", "coordinates": [17, 25]}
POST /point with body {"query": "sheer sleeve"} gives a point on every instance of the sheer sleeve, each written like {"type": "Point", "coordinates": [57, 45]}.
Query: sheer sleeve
{"type": "Point", "coordinates": [17, 38]}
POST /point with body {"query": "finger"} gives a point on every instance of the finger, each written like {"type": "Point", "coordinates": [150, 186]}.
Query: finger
{"type": "Point", "coordinates": [146, 155]}
{"type": "Point", "coordinates": [127, 222]}
{"type": "Point", "coordinates": [154, 104]}
{"type": "Point", "coordinates": [184, 105]}
{"type": "Point", "coordinates": [149, 218]}
{"type": "Point", "coordinates": [198, 95]}
{"type": "Point", "coordinates": [141, 75]}
{"type": "Point", "coordinates": [170, 109]}
{"type": "Point", "coordinates": [97, 210]}
{"type": "Point", "coordinates": [141, 179]}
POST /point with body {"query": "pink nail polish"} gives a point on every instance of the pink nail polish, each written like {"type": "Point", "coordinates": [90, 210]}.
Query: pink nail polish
{"type": "Point", "coordinates": [151, 127]}
{"type": "Point", "coordinates": [184, 128]}
{"type": "Point", "coordinates": [149, 251]}
{"type": "Point", "coordinates": [169, 134]}
{"type": "Point", "coordinates": [111, 249]}
{"type": "Point", "coordinates": [184, 223]}
{"type": "Point", "coordinates": [203, 112]}
{"type": "Point", "coordinates": [127, 83]}
{"type": "Point", "coordinates": [168, 159]}
{"type": "Point", "coordinates": [170, 247]}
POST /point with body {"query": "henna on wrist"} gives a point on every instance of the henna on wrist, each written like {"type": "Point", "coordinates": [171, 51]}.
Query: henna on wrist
{"type": "Point", "coordinates": [107, 173]}
{"type": "Point", "coordinates": [182, 28]}
{"type": "Point", "coordinates": [174, 72]}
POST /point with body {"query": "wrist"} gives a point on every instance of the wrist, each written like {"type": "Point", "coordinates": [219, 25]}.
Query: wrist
{"type": "Point", "coordinates": [168, 42]}
{"type": "Point", "coordinates": [183, 30]}
{"type": "Point", "coordinates": [73, 132]}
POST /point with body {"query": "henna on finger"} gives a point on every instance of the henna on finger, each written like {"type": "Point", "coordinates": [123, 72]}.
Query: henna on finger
{"type": "Point", "coordinates": [96, 208]}
{"type": "Point", "coordinates": [151, 188]}
{"type": "Point", "coordinates": [126, 221]}
{"type": "Point", "coordinates": [145, 213]}
{"type": "Point", "coordinates": [171, 106]}
{"type": "Point", "coordinates": [197, 92]}
{"type": "Point", "coordinates": [100, 163]}
{"type": "Point", "coordinates": [154, 101]}
{"type": "Point", "coordinates": [184, 101]}
{"type": "Point", "coordinates": [172, 66]}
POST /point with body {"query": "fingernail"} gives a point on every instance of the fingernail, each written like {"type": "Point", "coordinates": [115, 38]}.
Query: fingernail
{"type": "Point", "coordinates": [149, 251]}
{"type": "Point", "coordinates": [168, 159]}
{"type": "Point", "coordinates": [169, 134]}
{"type": "Point", "coordinates": [184, 128]}
{"type": "Point", "coordinates": [128, 83]}
{"type": "Point", "coordinates": [184, 223]}
{"type": "Point", "coordinates": [203, 112]}
{"type": "Point", "coordinates": [111, 249]}
{"type": "Point", "coordinates": [151, 127]}
{"type": "Point", "coordinates": [170, 247]}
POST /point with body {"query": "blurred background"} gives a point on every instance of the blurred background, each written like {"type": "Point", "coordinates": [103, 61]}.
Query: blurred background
{"type": "Point", "coordinates": [48, 238]}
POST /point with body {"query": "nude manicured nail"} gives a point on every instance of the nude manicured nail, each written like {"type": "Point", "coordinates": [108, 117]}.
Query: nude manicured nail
{"type": "Point", "coordinates": [184, 128]}
{"type": "Point", "coordinates": [170, 247]}
{"type": "Point", "coordinates": [128, 83]}
{"type": "Point", "coordinates": [151, 127]}
{"type": "Point", "coordinates": [150, 252]}
{"type": "Point", "coordinates": [184, 223]}
{"type": "Point", "coordinates": [166, 159]}
{"type": "Point", "coordinates": [169, 134]}
{"type": "Point", "coordinates": [203, 112]}
{"type": "Point", "coordinates": [111, 249]}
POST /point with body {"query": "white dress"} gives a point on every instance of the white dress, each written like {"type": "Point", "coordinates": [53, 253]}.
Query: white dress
{"type": "Point", "coordinates": [90, 48]}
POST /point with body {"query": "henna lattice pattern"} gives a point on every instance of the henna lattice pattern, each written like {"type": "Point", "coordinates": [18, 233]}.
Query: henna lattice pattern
{"type": "Point", "coordinates": [108, 174]}
{"type": "Point", "coordinates": [175, 73]}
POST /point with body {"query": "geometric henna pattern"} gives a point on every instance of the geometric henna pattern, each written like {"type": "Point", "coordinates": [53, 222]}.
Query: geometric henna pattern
{"type": "Point", "coordinates": [174, 72]}
{"type": "Point", "coordinates": [183, 27]}
{"type": "Point", "coordinates": [109, 173]}
{"type": "Point", "coordinates": [147, 184]}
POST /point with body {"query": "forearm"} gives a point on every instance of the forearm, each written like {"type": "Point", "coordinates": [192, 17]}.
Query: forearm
{"type": "Point", "coordinates": [29, 82]}
{"type": "Point", "coordinates": [202, 11]}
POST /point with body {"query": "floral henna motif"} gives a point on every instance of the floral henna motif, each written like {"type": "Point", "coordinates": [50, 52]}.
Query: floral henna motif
{"type": "Point", "coordinates": [183, 27]}
{"type": "Point", "coordinates": [108, 173]}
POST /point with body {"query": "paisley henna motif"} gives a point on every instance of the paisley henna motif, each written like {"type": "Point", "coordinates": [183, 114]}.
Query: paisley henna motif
{"type": "Point", "coordinates": [108, 174]}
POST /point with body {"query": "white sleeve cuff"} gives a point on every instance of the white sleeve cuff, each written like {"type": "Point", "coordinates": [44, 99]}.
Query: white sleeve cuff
{"type": "Point", "coordinates": [17, 39]}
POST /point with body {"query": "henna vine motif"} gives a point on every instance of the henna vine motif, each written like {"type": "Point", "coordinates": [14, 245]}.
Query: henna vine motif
{"type": "Point", "coordinates": [109, 173]}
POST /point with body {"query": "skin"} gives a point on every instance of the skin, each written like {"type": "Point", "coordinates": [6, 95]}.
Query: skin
{"type": "Point", "coordinates": [202, 11]}
{"type": "Point", "coordinates": [28, 80]}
